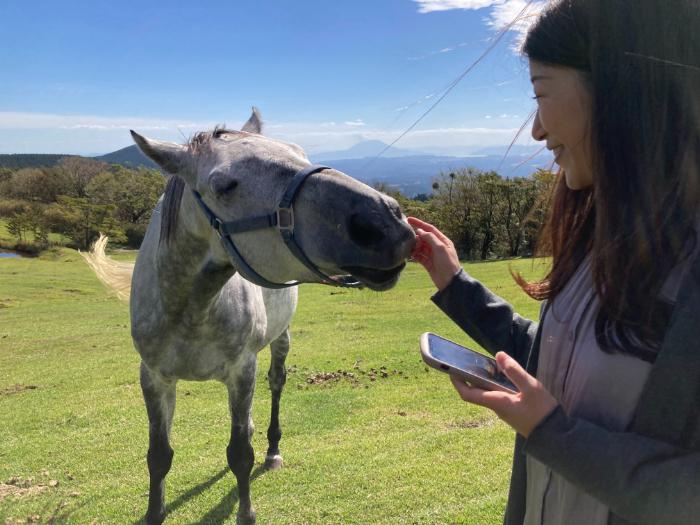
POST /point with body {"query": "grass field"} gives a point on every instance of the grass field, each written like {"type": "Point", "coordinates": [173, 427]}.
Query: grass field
{"type": "Point", "coordinates": [391, 444]}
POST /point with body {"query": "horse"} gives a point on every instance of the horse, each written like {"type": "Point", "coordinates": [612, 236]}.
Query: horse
{"type": "Point", "coordinates": [244, 220]}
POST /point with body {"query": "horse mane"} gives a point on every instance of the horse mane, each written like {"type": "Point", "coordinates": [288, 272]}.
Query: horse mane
{"type": "Point", "coordinates": [203, 139]}
{"type": "Point", "coordinates": [176, 185]}
{"type": "Point", "coordinates": [171, 207]}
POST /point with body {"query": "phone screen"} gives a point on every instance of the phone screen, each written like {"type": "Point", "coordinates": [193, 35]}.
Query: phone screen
{"type": "Point", "coordinates": [467, 360]}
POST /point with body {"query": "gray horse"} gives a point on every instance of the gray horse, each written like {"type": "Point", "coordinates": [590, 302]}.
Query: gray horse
{"type": "Point", "coordinates": [194, 317]}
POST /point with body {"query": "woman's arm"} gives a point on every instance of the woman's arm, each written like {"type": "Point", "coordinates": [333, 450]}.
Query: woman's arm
{"type": "Point", "coordinates": [642, 480]}
{"type": "Point", "coordinates": [487, 318]}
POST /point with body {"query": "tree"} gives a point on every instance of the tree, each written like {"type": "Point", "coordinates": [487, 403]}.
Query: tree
{"type": "Point", "coordinates": [488, 191]}
{"type": "Point", "coordinates": [518, 198]}
{"type": "Point", "coordinates": [24, 217]}
{"type": "Point", "coordinates": [486, 215]}
{"type": "Point", "coordinates": [82, 221]}
{"type": "Point", "coordinates": [37, 185]}
{"type": "Point", "coordinates": [133, 192]}
{"type": "Point", "coordinates": [80, 171]}
{"type": "Point", "coordinates": [455, 204]}
{"type": "Point", "coordinates": [544, 186]}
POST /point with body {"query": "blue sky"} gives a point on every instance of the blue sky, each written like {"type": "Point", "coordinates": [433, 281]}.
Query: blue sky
{"type": "Point", "coordinates": [76, 75]}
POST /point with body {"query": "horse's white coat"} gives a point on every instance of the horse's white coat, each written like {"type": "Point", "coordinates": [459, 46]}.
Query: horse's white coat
{"type": "Point", "coordinates": [193, 317]}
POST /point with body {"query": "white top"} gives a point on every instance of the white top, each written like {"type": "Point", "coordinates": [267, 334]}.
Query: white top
{"type": "Point", "coordinates": [599, 387]}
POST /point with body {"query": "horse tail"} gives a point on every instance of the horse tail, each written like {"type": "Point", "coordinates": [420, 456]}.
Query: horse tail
{"type": "Point", "coordinates": [116, 275]}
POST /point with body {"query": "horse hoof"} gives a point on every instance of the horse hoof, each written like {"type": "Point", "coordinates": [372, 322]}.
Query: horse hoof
{"type": "Point", "coordinates": [274, 462]}
{"type": "Point", "coordinates": [246, 518]}
{"type": "Point", "coordinates": [155, 518]}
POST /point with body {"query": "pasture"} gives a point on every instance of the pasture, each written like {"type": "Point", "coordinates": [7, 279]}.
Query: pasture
{"type": "Point", "coordinates": [370, 436]}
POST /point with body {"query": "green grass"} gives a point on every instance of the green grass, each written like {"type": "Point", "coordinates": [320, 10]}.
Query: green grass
{"type": "Point", "coordinates": [400, 449]}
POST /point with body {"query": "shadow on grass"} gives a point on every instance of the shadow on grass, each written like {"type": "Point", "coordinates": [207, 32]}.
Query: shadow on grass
{"type": "Point", "coordinates": [223, 510]}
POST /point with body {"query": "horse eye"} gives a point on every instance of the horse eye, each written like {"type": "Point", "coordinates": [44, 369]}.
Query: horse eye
{"type": "Point", "coordinates": [223, 185]}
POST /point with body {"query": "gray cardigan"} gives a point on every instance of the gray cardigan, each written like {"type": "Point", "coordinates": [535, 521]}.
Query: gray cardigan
{"type": "Point", "coordinates": [649, 474]}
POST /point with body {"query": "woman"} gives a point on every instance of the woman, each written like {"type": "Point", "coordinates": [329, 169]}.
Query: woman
{"type": "Point", "coordinates": [608, 414]}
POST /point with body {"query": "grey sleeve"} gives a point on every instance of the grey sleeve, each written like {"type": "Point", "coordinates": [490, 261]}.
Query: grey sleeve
{"type": "Point", "coordinates": [487, 318]}
{"type": "Point", "coordinates": [642, 480]}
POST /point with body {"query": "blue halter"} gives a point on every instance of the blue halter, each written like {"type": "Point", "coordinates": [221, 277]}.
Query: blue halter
{"type": "Point", "coordinates": [282, 219]}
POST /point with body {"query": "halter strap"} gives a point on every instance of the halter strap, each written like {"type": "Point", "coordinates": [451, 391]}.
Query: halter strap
{"type": "Point", "coordinates": [283, 220]}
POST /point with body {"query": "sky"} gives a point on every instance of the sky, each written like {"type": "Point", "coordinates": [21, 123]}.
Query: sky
{"type": "Point", "coordinates": [76, 75]}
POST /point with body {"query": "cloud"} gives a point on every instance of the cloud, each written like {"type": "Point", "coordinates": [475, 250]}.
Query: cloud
{"type": "Point", "coordinates": [520, 13]}
{"type": "Point", "coordinates": [28, 121]}
{"type": "Point", "coordinates": [440, 51]}
{"type": "Point", "coordinates": [316, 140]}
{"type": "Point", "coordinates": [428, 6]}
{"type": "Point", "coordinates": [93, 135]}
{"type": "Point", "coordinates": [355, 123]}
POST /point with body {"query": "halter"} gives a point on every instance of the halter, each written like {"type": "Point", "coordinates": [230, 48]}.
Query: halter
{"type": "Point", "coordinates": [283, 220]}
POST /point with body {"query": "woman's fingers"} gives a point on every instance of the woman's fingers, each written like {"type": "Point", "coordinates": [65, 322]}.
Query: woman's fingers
{"type": "Point", "coordinates": [435, 252]}
{"type": "Point", "coordinates": [516, 373]}
{"type": "Point", "coordinates": [522, 411]}
{"type": "Point", "coordinates": [478, 396]}
{"type": "Point", "coordinates": [417, 223]}
{"type": "Point", "coordinates": [428, 238]}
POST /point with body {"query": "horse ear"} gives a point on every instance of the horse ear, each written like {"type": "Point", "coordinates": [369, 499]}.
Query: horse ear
{"type": "Point", "coordinates": [172, 157]}
{"type": "Point", "coordinates": [254, 124]}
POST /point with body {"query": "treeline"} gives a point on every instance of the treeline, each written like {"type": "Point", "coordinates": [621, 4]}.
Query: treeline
{"type": "Point", "coordinates": [77, 198]}
{"type": "Point", "coordinates": [486, 216]}
{"type": "Point", "coordinates": [17, 161]}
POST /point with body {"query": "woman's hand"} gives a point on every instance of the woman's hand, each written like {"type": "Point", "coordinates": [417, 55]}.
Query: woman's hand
{"type": "Point", "coordinates": [435, 252]}
{"type": "Point", "coordinates": [522, 411]}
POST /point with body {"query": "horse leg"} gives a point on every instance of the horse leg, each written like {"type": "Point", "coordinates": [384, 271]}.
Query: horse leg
{"type": "Point", "coordinates": [160, 405]}
{"type": "Point", "coordinates": [277, 377]}
{"type": "Point", "coordinates": [240, 451]}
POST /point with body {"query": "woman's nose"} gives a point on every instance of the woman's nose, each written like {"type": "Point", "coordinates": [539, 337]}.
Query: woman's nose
{"type": "Point", "coordinates": [538, 132]}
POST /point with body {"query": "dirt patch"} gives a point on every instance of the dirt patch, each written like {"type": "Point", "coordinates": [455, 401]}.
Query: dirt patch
{"type": "Point", "coordinates": [24, 487]}
{"type": "Point", "coordinates": [356, 376]}
{"type": "Point", "coordinates": [478, 423]}
{"type": "Point", "coordinates": [320, 378]}
{"type": "Point", "coordinates": [16, 389]}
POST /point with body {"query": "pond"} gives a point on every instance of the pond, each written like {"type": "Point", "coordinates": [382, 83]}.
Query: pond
{"type": "Point", "coordinates": [6, 254]}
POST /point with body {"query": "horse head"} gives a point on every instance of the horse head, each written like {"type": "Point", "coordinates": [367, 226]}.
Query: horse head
{"type": "Point", "coordinates": [255, 192]}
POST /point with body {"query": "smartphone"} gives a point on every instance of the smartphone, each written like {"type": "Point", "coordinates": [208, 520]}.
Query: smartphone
{"type": "Point", "coordinates": [475, 368]}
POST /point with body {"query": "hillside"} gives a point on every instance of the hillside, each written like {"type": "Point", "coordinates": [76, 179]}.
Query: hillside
{"type": "Point", "coordinates": [17, 161]}
{"type": "Point", "coordinates": [130, 157]}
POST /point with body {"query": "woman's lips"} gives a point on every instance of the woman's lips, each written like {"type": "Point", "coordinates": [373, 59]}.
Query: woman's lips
{"type": "Point", "coordinates": [557, 152]}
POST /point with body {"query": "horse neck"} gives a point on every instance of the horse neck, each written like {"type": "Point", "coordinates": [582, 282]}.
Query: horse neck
{"type": "Point", "coordinates": [189, 274]}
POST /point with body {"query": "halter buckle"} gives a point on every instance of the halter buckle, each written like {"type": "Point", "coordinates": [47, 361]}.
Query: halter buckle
{"type": "Point", "coordinates": [216, 223]}
{"type": "Point", "coordinates": [285, 219]}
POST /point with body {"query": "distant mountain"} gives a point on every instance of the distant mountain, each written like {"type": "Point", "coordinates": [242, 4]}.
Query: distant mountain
{"type": "Point", "coordinates": [131, 157]}
{"type": "Point", "coordinates": [516, 149]}
{"type": "Point", "coordinates": [17, 161]}
{"type": "Point", "coordinates": [407, 171]}
{"type": "Point", "coordinates": [364, 149]}
{"type": "Point", "coordinates": [415, 174]}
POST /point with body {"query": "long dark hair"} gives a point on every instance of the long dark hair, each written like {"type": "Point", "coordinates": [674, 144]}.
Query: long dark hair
{"type": "Point", "coordinates": [641, 61]}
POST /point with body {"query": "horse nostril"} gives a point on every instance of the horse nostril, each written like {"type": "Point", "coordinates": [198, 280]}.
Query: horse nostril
{"type": "Point", "coordinates": [363, 232]}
